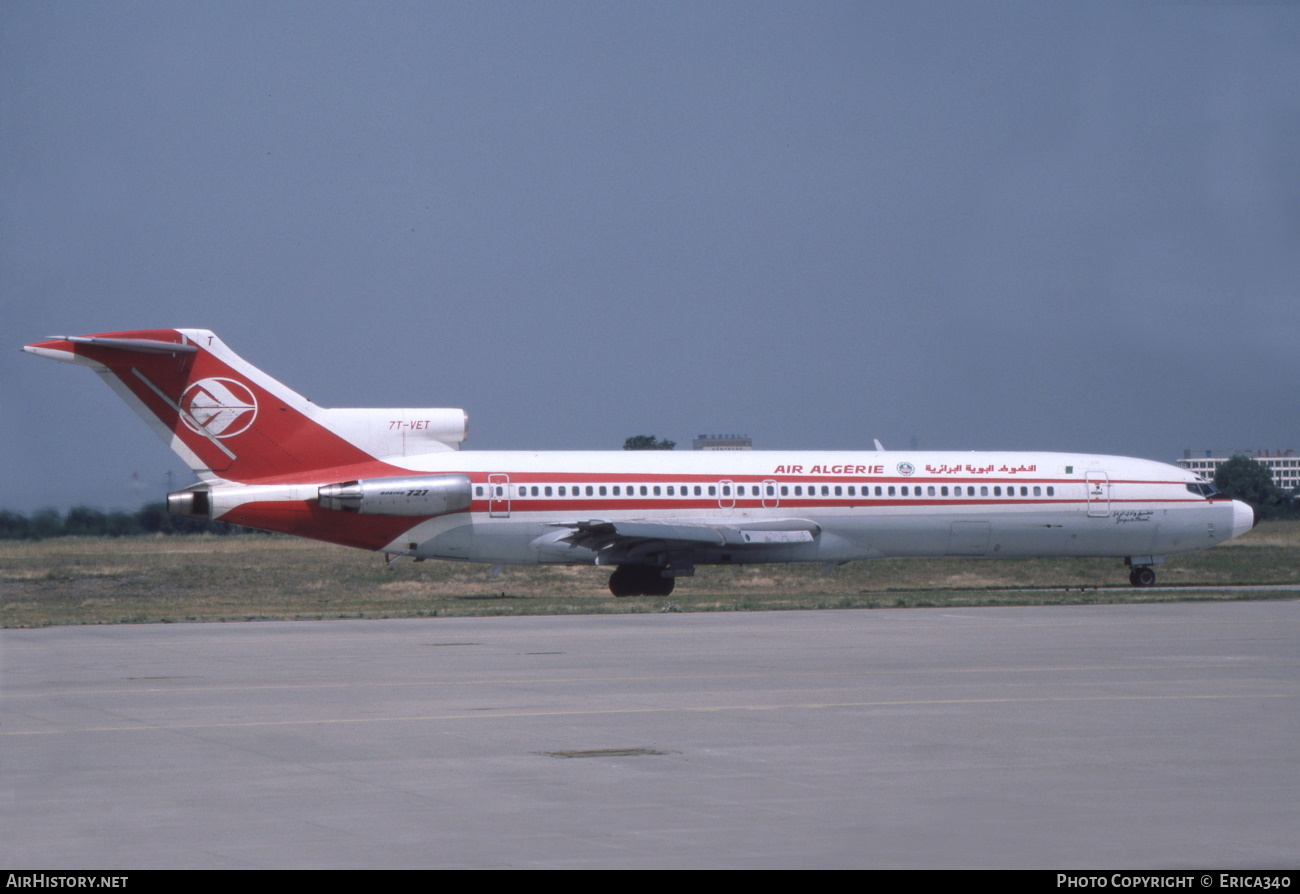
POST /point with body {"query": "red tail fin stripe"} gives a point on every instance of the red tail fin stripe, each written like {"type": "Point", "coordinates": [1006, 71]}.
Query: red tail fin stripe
{"type": "Point", "coordinates": [184, 416]}
{"type": "Point", "coordinates": [220, 413]}
{"type": "Point", "coordinates": [228, 419]}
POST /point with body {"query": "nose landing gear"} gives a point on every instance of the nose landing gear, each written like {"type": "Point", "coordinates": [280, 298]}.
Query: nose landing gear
{"type": "Point", "coordinates": [1142, 576]}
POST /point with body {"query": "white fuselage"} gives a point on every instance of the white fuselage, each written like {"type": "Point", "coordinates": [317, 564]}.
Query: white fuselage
{"type": "Point", "coordinates": [860, 505]}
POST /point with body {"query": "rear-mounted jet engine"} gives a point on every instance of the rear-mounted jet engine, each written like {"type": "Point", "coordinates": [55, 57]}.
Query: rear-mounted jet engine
{"type": "Point", "coordinates": [419, 495]}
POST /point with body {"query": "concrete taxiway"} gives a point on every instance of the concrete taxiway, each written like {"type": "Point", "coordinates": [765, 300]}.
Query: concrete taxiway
{"type": "Point", "coordinates": [1056, 737]}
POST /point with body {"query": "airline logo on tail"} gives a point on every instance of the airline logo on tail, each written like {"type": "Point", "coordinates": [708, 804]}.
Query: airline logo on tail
{"type": "Point", "coordinates": [219, 407]}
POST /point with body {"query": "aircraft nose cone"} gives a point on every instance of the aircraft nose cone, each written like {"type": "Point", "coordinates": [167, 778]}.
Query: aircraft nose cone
{"type": "Point", "coordinates": [1243, 518]}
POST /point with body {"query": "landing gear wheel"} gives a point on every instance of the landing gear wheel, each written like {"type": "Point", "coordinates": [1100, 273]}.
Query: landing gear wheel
{"type": "Point", "coordinates": [640, 580]}
{"type": "Point", "coordinates": [1142, 577]}
{"type": "Point", "coordinates": [661, 586]}
{"type": "Point", "coordinates": [621, 582]}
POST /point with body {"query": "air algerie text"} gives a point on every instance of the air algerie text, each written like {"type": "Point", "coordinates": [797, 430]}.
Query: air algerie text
{"type": "Point", "coordinates": [829, 470]}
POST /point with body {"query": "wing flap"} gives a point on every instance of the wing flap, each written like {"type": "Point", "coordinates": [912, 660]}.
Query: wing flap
{"type": "Point", "coordinates": [601, 535]}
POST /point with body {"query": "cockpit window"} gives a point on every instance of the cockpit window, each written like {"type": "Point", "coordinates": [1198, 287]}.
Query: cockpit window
{"type": "Point", "coordinates": [1203, 489]}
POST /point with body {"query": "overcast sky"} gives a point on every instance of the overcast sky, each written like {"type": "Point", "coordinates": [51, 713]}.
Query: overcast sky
{"type": "Point", "coordinates": [1051, 226]}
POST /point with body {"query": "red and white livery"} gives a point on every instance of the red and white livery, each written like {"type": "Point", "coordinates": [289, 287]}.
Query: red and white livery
{"type": "Point", "coordinates": [395, 481]}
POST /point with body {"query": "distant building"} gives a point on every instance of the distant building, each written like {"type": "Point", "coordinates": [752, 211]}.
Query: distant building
{"type": "Point", "coordinates": [723, 442]}
{"type": "Point", "coordinates": [1283, 464]}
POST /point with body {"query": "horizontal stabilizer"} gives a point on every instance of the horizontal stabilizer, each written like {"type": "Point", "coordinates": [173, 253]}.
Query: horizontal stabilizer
{"type": "Point", "coordinates": [143, 345]}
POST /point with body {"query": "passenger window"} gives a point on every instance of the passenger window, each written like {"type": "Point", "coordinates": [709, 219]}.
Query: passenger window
{"type": "Point", "coordinates": [943, 491]}
{"type": "Point", "coordinates": [589, 493]}
{"type": "Point", "coordinates": [656, 490]}
{"type": "Point", "coordinates": [479, 491]}
{"type": "Point", "coordinates": [602, 490]}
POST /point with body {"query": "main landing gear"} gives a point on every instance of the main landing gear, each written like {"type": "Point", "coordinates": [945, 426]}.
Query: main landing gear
{"type": "Point", "coordinates": [640, 580]}
{"type": "Point", "coordinates": [1142, 576]}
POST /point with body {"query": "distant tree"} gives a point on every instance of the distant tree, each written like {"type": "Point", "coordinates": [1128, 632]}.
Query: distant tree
{"type": "Point", "coordinates": [13, 526]}
{"type": "Point", "coordinates": [122, 524]}
{"type": "Point", "coordinates": [45, 523]}
{"type": "Point", "coordinates": [647, 442]}
{"type": "Point", "coordinates": [86, 521]}
{"type": "Point", "coordinates": [1244, 479]}
{"type": "Point", "coordinates": [83, 521]}
{"type": "Point", "coordinates": [153, 518]}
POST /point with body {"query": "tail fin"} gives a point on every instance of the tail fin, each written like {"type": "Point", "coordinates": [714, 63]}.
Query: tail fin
{"type": "Point", "coordinates": [227, 419]}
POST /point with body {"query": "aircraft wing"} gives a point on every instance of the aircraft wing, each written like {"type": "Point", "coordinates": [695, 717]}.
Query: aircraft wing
{"type": "Point", "coordinates": [615, 542]}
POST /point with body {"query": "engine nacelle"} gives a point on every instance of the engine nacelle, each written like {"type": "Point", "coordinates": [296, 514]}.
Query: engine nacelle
{"type": "Point", "coordinates": [414, 495]}
{"type": "Point", "coordinates": [193, 502]}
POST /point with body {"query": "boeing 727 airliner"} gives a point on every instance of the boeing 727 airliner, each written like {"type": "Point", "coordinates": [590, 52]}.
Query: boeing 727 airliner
{"type": "Point", "coordinates": [396, 481]}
